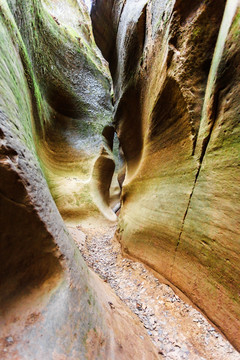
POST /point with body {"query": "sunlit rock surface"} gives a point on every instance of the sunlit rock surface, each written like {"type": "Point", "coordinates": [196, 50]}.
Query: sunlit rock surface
{"type": "Point", "coordinates": [54, 90]}
{"type": "Point", "coordinates": [177, 116]}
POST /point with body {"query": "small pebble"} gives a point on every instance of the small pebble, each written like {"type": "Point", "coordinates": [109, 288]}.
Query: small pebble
{"type": "Point", "coordinates": [170, 323]}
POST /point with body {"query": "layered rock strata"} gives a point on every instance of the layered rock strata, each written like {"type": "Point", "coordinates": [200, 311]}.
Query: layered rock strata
{"type": "Point", "coordinates": [51, 305]}
{"type": "Point", "coordinates": [175, 69]}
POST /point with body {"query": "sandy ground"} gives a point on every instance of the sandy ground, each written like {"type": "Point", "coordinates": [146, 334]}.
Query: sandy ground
{"type": "Point", "coordinates": [177, 329]}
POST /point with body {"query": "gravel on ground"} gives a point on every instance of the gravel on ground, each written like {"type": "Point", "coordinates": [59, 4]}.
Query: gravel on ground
{"type": "Point", "coordinates": [177, 329]}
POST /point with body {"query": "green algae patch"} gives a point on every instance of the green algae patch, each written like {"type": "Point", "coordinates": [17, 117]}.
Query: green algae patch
{"type": "Point", "coordinates": [69, 85]}
{"type": "Point", "coordinates": [17, 82]}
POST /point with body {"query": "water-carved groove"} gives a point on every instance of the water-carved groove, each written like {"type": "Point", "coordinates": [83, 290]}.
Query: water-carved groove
{"type": "Point", "coordinates": [171, 189]}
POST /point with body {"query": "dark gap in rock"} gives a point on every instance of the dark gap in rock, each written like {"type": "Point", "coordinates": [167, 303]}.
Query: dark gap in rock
{"type": "Point", "coordinates": [2, 136]}
{"type": "Point", "coordinates": [134, 45]}
{"type": "Point", "coordinates": [206, 66]}
{"type": "Point", "coordinates": [108, 133]}
{"type": "Point", "coordinates": [169, 57]}
{"type": "Point", "coordinates": [129, 112]}
{"type": "Point", "coordinates": [186, 8]}
{"type": "Point", "coordinates": [173, 40]}
{"type": "Point", "coordinates": [170, 119]}
{"type": "Point", "coordinates": [212, 119]}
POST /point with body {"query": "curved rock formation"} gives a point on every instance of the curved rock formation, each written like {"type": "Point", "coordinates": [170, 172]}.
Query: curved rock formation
{"type": "Point", "coordinates": [53, 86]}
{"type": "Point", "coordinates": [176, 83]}
{"type": "Point", "coordinates": [75, 88]}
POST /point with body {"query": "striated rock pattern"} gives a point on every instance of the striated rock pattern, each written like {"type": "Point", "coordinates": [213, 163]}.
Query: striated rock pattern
{"type": "Point", "coordinates": [51, 305]}
{"type": "Point", "coordinates": [175, 69]}
{"type": "Point", "coordinates": [75, 87]}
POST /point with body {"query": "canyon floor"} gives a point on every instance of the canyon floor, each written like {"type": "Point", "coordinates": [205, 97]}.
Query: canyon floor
{"type": "Point", "coordinates": [176, 328]}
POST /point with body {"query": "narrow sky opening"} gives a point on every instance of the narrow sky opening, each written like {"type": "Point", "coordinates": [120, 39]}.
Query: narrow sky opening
{"type": "Point", "coordinates": [89, 4]}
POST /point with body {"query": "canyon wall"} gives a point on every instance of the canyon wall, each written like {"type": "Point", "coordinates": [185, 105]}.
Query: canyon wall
{"type": "Point", "coordinates": [175, 69]}
{"type": "Point", "coordinates": [54, 106]}
{"type": "Point", "coordinates": [75, 129]}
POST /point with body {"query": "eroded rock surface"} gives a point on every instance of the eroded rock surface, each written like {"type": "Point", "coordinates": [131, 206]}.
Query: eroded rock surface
{"type": "Point", "coordinates": [176, 83]}
{"type": "Point", "coordinates": [75, 89]}
{"type": "Point", "coordinates": [51, 305]}
{"type": "Point", "coordinates": [175, 71]}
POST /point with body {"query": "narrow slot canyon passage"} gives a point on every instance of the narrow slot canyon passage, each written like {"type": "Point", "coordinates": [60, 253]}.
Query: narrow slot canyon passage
{"type": "Point", "coordinates": [119, 179]}
{"type": "Point", "coordinates": [176, 328]}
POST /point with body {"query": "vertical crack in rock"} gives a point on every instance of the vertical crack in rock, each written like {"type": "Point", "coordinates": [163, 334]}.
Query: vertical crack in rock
{"type": "Point", "coordinates": [181, 155]}
{"type": "Point", "coordinates": [179, 140]}
{"type": "Point", "coordinates": [207, 121]}
{"type": "Point", "coordinates": [210, 106]}
{"type": "Point", "coordinates": [184, 218]}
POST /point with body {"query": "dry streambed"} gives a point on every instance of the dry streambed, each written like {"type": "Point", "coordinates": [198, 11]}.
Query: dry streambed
{"type": "Point", "coordinates": [177, 329]}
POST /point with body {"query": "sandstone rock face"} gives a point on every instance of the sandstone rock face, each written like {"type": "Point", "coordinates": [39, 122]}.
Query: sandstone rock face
{"type": "Point", "coordinates": [75, 89]}
{"type": "Point", "coordinates": [51, 305]}
{"type": "Point", "coordinates": [176, 82]}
